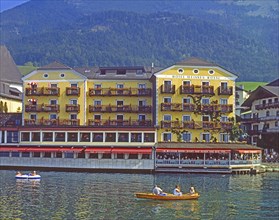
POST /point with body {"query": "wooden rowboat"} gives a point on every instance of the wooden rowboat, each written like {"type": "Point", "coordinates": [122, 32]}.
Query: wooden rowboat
{"type": "Point", "coordinates": [167, 196]}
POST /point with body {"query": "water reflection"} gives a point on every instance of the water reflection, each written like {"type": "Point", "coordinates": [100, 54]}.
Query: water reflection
{"type": "Point", "coordinates": [111, 196]}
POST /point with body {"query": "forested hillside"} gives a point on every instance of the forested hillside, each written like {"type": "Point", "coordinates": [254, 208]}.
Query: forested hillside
{"type": "Point", "coordinates": [83, 33]}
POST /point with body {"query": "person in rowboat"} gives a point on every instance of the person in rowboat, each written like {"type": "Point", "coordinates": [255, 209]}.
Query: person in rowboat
{"type": "Point", "coordinates": [177, 191]}
{"type": "Point", "coordinates": [192, 190]}
{"type": "Point", "coordinates": [158, 191]}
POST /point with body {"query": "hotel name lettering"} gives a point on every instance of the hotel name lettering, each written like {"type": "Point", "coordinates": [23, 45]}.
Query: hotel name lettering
{"type": "Point", "coordinates": [197, 77]}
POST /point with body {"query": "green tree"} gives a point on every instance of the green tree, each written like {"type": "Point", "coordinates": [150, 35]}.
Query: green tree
{"type": "Point", "coordinates": [236, 132]}
{"type": "Point", "coordinates": [1, 107]}
{"type": "Point", "coordinates": [5, 107]}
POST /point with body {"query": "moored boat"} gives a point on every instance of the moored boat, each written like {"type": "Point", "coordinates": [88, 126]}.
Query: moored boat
{"type": "Point", "coordinates": [27, 176]}
{"type": "Point", "coordinates": [167, 196]}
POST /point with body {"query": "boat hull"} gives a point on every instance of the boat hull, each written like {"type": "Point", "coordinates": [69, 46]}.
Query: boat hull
{"type": "Point", "coordinates": [30, 177]}
{"type": "Point", "coordinates": [167, 196]}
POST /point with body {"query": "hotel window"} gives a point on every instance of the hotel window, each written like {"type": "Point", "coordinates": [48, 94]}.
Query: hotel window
{"type": "Point", "coordinates": [167, 86]}
{"type": "Point", "coordinates": [224, 85]}
{"type": "Point", "coordinates": [224, 137]}
{"type": "Point", "coordinates": [186, 83]}
{"type": "Point", "coordinates": [205, 118]}
{"type": "Point", "coordinates": [97, 137]}
{"type": "Point", "coordinates": [205, 101]}
{"type": "Point", "coordinates": [73, 116]}
{"type": "Point", "coordinates": [33, 117]}
{"type": "Point", "coordinates": [166, 137]}
{"type": "Point", "coordinates": [205, 137]}
{"type": "Point", "coordinates": [167, 100]}
{"type": "Point", "coordinates": [224, 119]}
{"type": "Point", "coordinates": [223, 101]}
{"type": "Point", "coordinates": [142, 86]}
{"type": "Point", "coordinates": [123, 137]}
{"type": "Point", "coordinates": [25, 136]}
{"type": "Point", "coordinates": [85, 137]}
{"type": "Point", "coordinates": [186, 118]}
{"type": "Point", "coordinates": [73, 101]}
{"type": "Point", "coordinates": [120, 88]}
{"type": "Point", "coordinates": [53, 102]}
{"type": "Point", "coordinates": [47, 136]}
{"type": "Point", "coordinates": [60, 136]}
{"type": "Point", "coordinates": [167, 117]}
{"type": "Point", "coordinates": [149, 137]}
{"type": "Point", "coordinates": [74, 85]}
{"type": "Point", "coordinates": [110, 137]}
{"type": "Point", "coordinates": [119, 120]}
{"type": "Point", "coordinates": [52, 116]}
{"type": "Point", "coordinates": [186, 100]}
{"type": "Point", "coordinates": [35, 136]}
{"type": "Point", "coordinates": [142, 117]}
{"type": "Point", "coordinates": [277, 113]}
{"type": "Point", "coordinates": [136, 137]}
{"type": "Point", "coordinates": [12, 137]}
{"type": "Point", "coordinates": [186, 136]}
{"type": "Point", "coordinates": [98, 89]}
{"type": "Point", "coordinates": [72, 137]}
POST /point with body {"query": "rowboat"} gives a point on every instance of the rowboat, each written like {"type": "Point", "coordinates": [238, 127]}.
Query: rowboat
{"type": "Point", "coordinates": [28, 176]}
{"type": "Point", "coordinates": [167, 196]}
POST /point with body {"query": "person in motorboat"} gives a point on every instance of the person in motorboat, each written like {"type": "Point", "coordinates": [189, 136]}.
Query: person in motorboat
{"type": "Point", "coordinates": [192, 190]}
{"type": "Point", "coordinates": [177, 191]}
{"type": "Point", "coordinates": [158, 191]}
{"type": "Point", "coordinates": [18, 173]}
{"type": "Point", "coordinates": [33, 173]}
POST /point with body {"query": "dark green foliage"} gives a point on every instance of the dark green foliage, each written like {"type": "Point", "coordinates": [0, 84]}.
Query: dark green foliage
{"type": "Point", "coordinates": [78, 34]}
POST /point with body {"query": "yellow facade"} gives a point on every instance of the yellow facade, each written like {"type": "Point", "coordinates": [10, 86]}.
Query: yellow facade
{"type": "Point", "coordinates": [189, 101]}
{"type": "Point", "coordinates": [194, 103]}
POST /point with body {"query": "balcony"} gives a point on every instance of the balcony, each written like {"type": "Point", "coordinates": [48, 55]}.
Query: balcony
{"type": "Point", "coordinates": [120, 108]}
{"type": "Point", "coordinates": [197, 89]}
{"type": "Point", "coordinates": [42, 91]}
{"type": "Point", "coordinates": [226, 125]}
{"type": "Point", "coordinates": [225, 90]}
{"type": "Point", "coordinates": [119, 123]}
{"type": "Point", "coordinates": [42, 108]}
{"type": "Point", "coordinates": [51, 122]}
{"type": "Point", "coordinates": [209, 108]}
{"type": "Point", "coordinates": [168, 89]}
{"type": "Point", "coordinates": [120, 92]}
{"type": "Point", "coordinates": [178, 124]}
{"type": "Point", "coordinates": [72, 108]}
{"type": "Point", "coordinates": [267, 106]}
{"type": "Point", "coordinates": [73, 91]}
{"type": "Point", "coordinates": [186, 107]}
{"type": "Point", "coordinates": [226, 108]}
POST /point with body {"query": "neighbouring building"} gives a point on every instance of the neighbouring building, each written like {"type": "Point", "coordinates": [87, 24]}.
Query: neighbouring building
{"type": "Point", "coordinates": [263, 123]}
{"type": "Point", "coordinates": [240, 96]}
{"type": "Point", "coordinates": [10, 83]}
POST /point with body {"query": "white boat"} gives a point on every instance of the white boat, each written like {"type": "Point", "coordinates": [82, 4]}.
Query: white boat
{"type": "Point", "coordinates": [28, 176]}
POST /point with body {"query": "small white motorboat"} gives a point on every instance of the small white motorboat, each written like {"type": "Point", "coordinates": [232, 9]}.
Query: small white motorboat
{"type": "Point", "coordinates": [29, 176]}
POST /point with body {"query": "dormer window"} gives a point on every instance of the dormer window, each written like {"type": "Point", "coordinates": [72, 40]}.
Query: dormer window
{"type": "Point", "coordinates": [139, 72]}
{"type": "Point", "coordinates": [121, 72]}
{"type": "Point", "coordinates": [103, 72]}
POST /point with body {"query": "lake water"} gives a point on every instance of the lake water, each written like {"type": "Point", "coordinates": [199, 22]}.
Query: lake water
{"type": "Point", "coordinates": [65, 195]}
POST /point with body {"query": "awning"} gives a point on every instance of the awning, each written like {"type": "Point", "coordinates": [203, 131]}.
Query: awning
{"type": "Point", "coordinates": [181, 150]}
{"type": "Point", "coordinates": [249, 151]}
{"type": "Point", "coordinates": [41, 149]}
{"type": "Point", "coordinates": [98, 150]}
{"type": "Point", "coordinates": [132, 150]}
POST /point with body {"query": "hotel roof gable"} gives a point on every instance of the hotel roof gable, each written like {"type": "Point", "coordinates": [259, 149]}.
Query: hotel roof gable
{"type": "Point", "coordinates": [197, 63]}
{"type": "Point", "coordinates": [54, 66]}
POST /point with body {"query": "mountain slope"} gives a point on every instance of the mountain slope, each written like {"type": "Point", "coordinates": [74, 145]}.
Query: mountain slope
{"type": "Point", "coordinates": [78, 35]}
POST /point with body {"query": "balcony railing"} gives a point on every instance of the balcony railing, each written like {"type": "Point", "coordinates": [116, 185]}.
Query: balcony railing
{"type": "Point", "coordinates": [196, 125]}
{"type": "Point", "coordinates": [72, 91]}
{"type": "Point", "coordinates": [225, 90]}
{"type": "Point", "coordinates": [42, 108]}
{"type": "Point", "coordinates": [267, 105]}
{"type": "Point", "coordinates": [197, 89]}
{"type": "Point", "coordinates": [51, 122]}
{"type": "Point", "coordinates": [120, 108]}
{"type": "Point", "coordinates": [187, 107]}
{"type": "Point", "coordinates": [168, 89]}
{"type": "Point", "coordinates": [72, 107]}
{"type": "Point", "coordinates": [119, 123]}
{"type": "Point", "coordinates": [42, 91]}
{"type": "Point", "coordinates": [119, 92]}
{"type": "Point", "coordinates": [216, 108]}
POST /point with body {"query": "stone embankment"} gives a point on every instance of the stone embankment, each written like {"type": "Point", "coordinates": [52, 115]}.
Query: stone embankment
{"type": "Point", "coordinates": [270, 167]}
